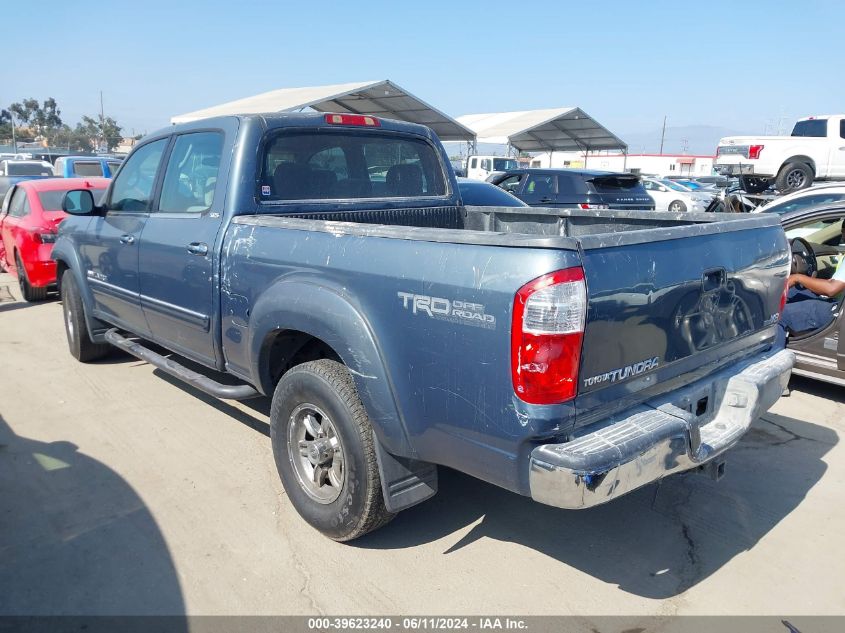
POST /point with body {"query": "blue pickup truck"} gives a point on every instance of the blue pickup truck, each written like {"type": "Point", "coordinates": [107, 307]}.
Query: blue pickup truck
{"type": "Point", "coordinates": [328, 261]}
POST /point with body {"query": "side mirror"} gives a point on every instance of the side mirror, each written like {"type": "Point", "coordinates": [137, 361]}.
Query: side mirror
{"type": "Point", "coordinates": [79, 202]}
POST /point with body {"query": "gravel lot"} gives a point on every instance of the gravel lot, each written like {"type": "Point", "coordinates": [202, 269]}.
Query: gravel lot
{"type": "Point", "coordinates": [123, 491]}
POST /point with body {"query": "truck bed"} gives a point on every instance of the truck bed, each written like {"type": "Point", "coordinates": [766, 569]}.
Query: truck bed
{"type": "Point", "coordinates": [691, 291]}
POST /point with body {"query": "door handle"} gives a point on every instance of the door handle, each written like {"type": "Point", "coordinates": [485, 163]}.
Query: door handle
{"type": "Point", "coordinates": [198, 248]}
{"type": "Point", "coordinates": [545, 200]}
{"type": "Point", "coordinates": [127, 239]}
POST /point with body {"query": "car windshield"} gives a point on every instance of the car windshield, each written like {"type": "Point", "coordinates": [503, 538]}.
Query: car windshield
{"type": "Point", "coordinates": [504, 164]}
{"type": "Point", "coordinates": [27, 169]}
{"type": "Point", "coordinates": [52, 200]}
{"type": "Point", "coordinates": [674, 186]}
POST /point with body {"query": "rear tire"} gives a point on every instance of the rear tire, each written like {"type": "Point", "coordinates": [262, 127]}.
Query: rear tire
{"type": "Point", "coordinates": [794, 177]}
{"type": "Point", "coordinates": [28, 291]}
{"type": "Point", "coordinates": [79, 342]}
{"type": "Point", "coordinates": [677, 206]}
{"type": "Point", "coordinates": [323, 446]}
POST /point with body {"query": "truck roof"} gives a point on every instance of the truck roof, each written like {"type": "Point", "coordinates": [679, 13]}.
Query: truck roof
{"type": "Point", "coordinates": [294, 119]}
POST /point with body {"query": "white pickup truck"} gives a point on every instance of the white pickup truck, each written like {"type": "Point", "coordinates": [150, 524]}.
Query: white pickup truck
{"type": "Point", "coordinates": [814, 151]}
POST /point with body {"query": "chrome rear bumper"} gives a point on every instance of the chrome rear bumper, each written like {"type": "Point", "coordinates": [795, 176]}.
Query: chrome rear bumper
{"type": "Point", "coordinates": [660, 437]}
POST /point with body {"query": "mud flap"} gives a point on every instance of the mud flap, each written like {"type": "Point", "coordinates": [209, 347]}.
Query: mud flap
{"type": "Point", "coordinates": [405, 482]}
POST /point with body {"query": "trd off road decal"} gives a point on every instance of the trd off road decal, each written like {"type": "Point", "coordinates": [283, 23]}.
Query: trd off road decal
{"type": "Point", "coordinates": [463, 312]}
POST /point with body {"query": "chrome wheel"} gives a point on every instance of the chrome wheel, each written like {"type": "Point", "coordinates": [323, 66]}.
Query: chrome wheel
{"type": "Point", "coordinates": [796, 179]}
{"type": "Point", "coordinates": [316, 453]}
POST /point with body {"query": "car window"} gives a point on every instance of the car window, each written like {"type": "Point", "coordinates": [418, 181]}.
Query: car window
{"type": "Point", "coordinates": [19, 205]}
{"type": "Point", "coordinates": [827, 231]}
{"type": "Point", "coordinates": [511, 183]}
{"type": "Point", "coordinates": [133, 187]}
{"type": "Point", "coordinates": [191, 176]}
{"type": "Point", "coordinates": [28, 169]}
{"type": "Point", "coordinates": [87, 168]}
{"type": "Point", "coordinates": [473, 163]}
{"type": "Point", "coordinates": [804, 202]}
{"type": "Point", "coordinates": [349, 165]}
{"type": "Point", "coordinates": [52, 200]}
{"type": "Point", "coordinates": [504, 164]}
{"type": "Point", "coordinates": [541, 185]}
{"type": "Point", "coordinates": [113, 167]}
{"type": "Point", "coordinates": [811, 127]}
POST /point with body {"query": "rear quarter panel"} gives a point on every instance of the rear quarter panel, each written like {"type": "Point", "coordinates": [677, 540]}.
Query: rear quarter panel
{"type": "Point", "coordinates": [438, 387]}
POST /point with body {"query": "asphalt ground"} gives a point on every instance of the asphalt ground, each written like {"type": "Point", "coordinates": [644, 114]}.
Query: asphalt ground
{"type": "Point", "coordinates": [123, 491]}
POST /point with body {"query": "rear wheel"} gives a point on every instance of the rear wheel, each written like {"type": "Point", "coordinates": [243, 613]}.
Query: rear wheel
{"type": "Point", "coordinates": [794, 176]}
{"type": "Point", "coordinates": [323, 446]}
{"type": "Point", "coordinates": [28, 291]}
{"type": "Point", "coordinates": [81, 347]}
{"type": "Point", "coordinates": [677, 206]}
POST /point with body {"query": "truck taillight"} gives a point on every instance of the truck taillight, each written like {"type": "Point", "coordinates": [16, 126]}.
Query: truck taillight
{"type": "Point", "coordinates": [549, 314]}
{"type": "Point", "coordinates": [754, 151]}
{"type": "Point", "coordinates": [353, 119]}
{"type": "Point", "coordinates": [784, 296]}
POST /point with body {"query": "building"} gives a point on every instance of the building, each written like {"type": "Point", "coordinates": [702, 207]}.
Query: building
{"type": "Point", "coordinates": [654, 164]}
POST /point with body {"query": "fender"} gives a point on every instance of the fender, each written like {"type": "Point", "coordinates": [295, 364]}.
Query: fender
{"type": "Point", "coordinates": [325, 313]}
{"type": "Point", "coordinates": [66, 255]}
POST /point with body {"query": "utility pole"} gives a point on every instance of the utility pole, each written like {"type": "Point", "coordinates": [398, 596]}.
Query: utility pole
{"type": "Point", "coordinates": [102, 122]}
{"type": "Point", "coordinates": [14, 138]}
{"type": "Point", "coordinates": [663, 135]}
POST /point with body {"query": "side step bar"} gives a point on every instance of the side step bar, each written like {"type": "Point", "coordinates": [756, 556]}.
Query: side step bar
{"type": "Point", "coordinates": [203, 383]}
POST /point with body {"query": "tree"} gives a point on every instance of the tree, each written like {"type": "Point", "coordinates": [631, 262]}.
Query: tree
{"type": "Point", "coordinates": [105, 131]}
{"type": "Point", "coordinates": [24, 110]}
{"type": "Point", "coordinates": [47, 118]}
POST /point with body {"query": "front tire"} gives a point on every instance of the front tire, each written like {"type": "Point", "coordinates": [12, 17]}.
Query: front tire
{"type": "Point", "coordinates": [28, 291]}
{"type": "Point", "coordinates": [323, 446]}
{"type": "Point", "coordinates": [79, 342]}
{"type": "Point", "coordinates": [677, 206]}
{"type": "Point", "coordinates": [794, 177]}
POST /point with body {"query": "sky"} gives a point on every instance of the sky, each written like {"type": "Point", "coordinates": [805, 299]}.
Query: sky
{"type": "Point", "coordinates": [740, 65]}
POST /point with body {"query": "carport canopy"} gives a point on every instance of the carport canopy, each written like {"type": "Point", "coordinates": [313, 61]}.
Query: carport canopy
{"type": "Point", "coordinates": [376, 98]}
{"type": "Point", "coordinates": [551, 130]}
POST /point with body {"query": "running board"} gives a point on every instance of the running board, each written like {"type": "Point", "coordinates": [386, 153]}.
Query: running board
{"type": "Point", "coordinates": [195, 379]}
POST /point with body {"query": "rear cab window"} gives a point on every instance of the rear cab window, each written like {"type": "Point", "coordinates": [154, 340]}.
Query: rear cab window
{"type": "Point", "coordinates": [342, 164]}
{"type": "Point", "coordinates": [87, 168]}
{"type": "Point", "coordinates": [811, 127]}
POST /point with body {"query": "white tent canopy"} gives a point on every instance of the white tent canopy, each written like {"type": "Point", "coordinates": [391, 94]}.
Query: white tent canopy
{"type": "Point", "coordinates": [552, 130]}
{"type": "Point", "coordinates": [377, 98]}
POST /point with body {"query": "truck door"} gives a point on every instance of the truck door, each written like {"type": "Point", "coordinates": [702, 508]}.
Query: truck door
{"type": "Point", "coordinates": [177, 259]}
{"type": "Point", "coordinates": [109, 248]}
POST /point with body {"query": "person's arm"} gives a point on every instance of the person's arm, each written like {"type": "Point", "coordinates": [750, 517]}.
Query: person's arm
{"type": "Point", "coordinates": [827, 287]}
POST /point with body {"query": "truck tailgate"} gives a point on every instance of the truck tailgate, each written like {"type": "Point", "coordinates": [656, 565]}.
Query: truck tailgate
{"type": "Point", "coordinates": [667, 306]}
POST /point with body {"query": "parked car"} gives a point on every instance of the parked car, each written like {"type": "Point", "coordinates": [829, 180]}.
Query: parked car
{"type": "Point", "coordinates": [674, 197]}
{"type": "Point", "coordinates": [817, 236]}
{"type": "Point", "coordinates": [812, 152]}
{"type": "Point", "coordinates": [825, 194]}
{"type": "Point", "coordinates": [29, 219]}
{"type": "Point", "coordinates": [575, 188]}
{"type": "Point", "coordinates": [86, 166]}
{"type": "Point", "coordinates": [12, 171]}
{"type": "Point", "coordinates": [564, 354]}
{"type": "Point", "coordinates": [484, 194]}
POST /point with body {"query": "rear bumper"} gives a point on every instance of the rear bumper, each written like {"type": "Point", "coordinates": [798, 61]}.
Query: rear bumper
{"type": "Point", "coordinates": [660, 437]}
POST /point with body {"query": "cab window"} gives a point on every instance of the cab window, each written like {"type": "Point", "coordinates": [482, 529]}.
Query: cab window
{"type": "Point", "coordinates": [19, 205]}
{"type": "Point", "coordinates": [133, 187]}
{"type": "Point", "coordinates": [191, 176]}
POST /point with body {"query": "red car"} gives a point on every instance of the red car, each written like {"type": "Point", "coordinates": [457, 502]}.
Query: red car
{"type": "Point", "coordinates": [29, 219]}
